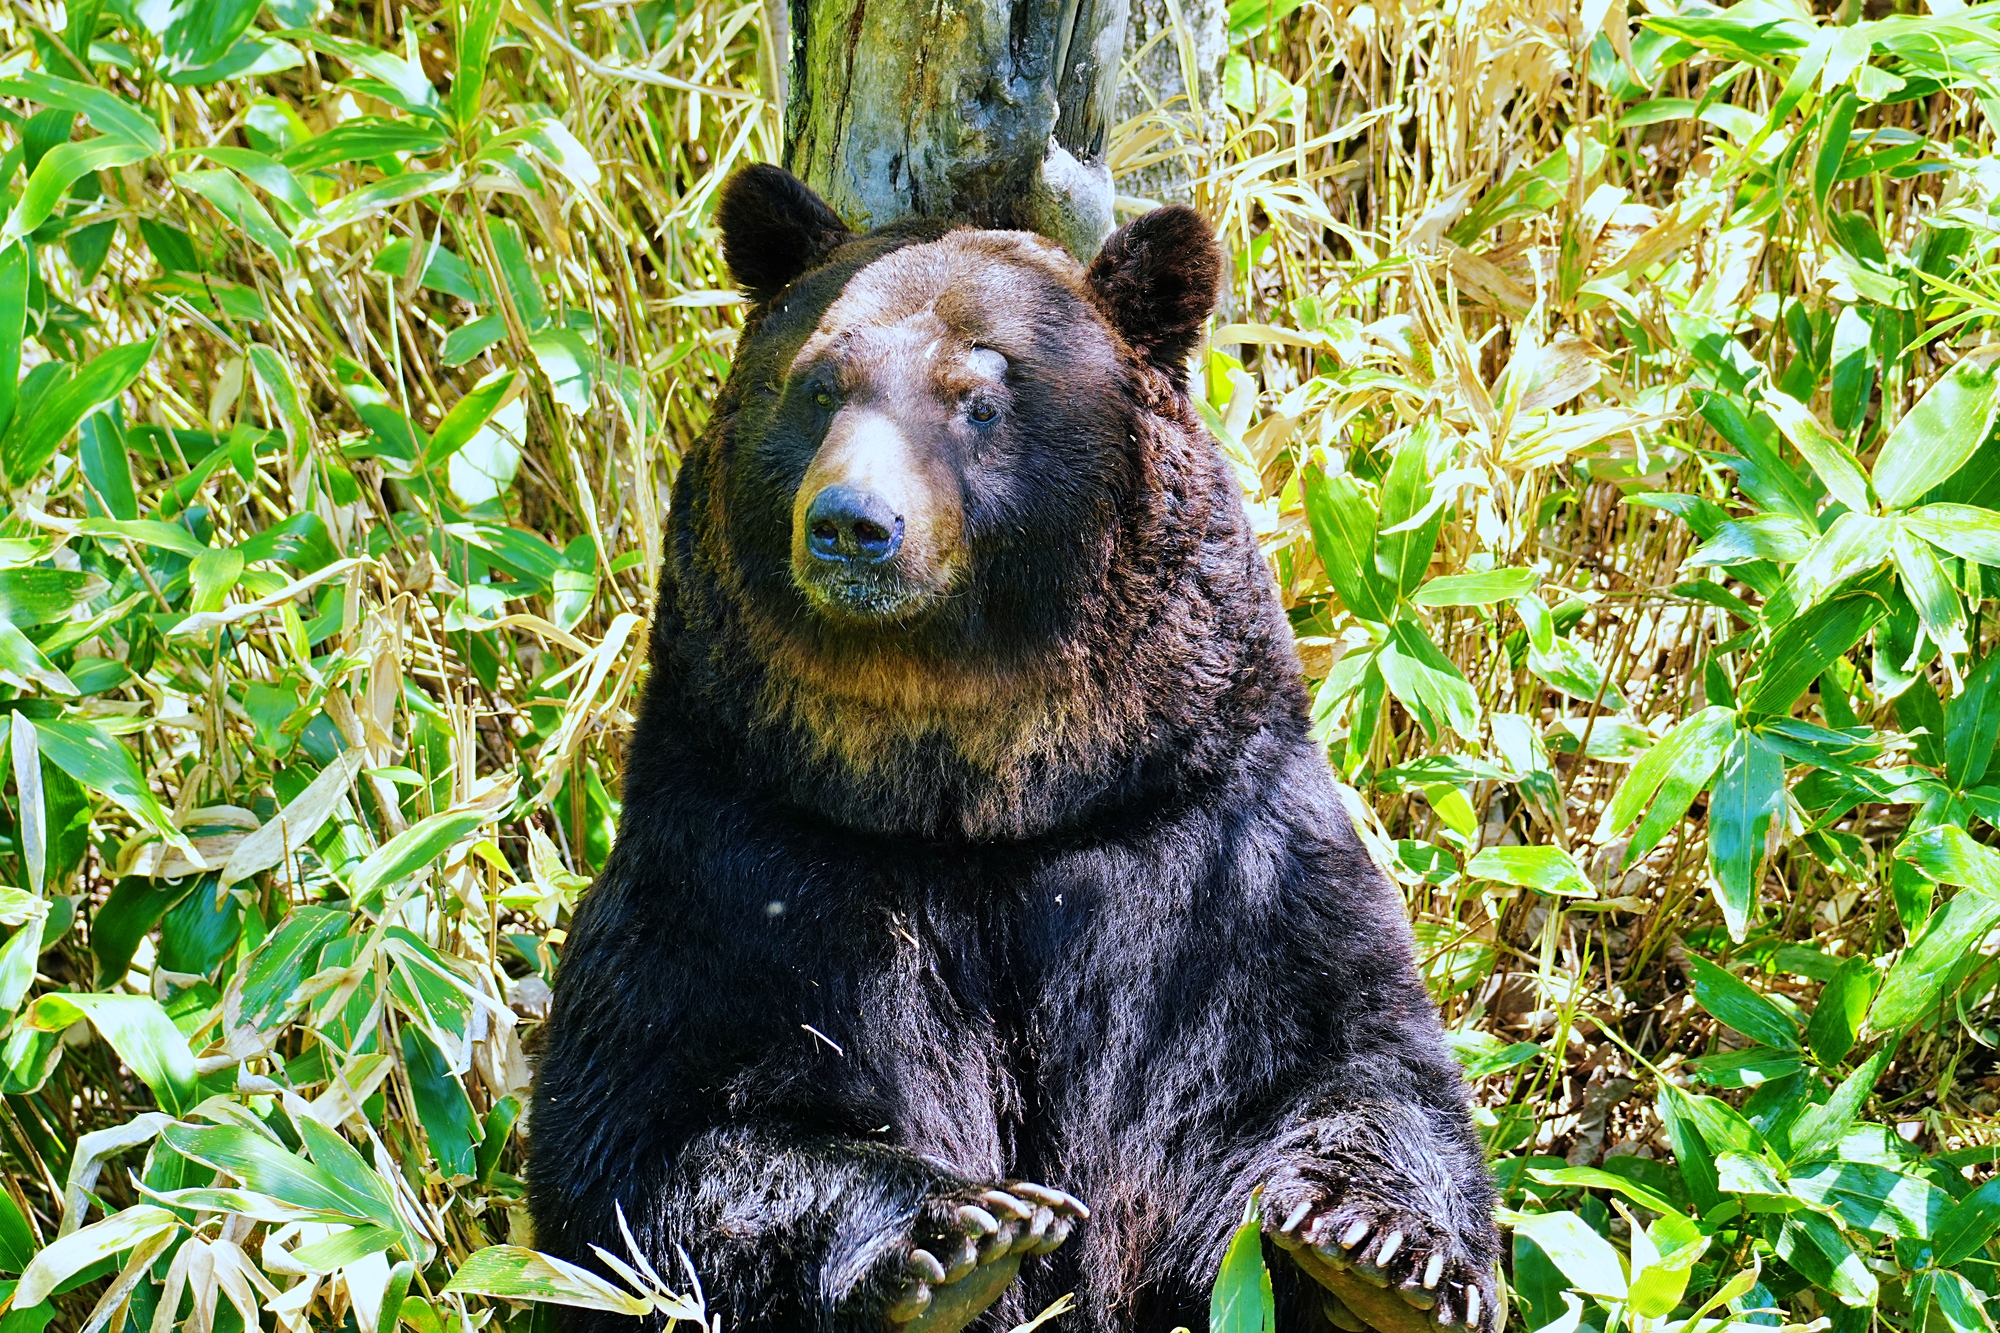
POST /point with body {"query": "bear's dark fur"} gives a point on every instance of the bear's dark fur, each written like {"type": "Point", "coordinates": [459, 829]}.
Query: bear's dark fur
{"type": "Point", "coordinates": [1019, 866]}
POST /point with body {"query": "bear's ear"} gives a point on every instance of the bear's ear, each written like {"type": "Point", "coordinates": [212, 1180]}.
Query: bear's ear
{"type": "Point", "coordinates": [1156, 279]}
{"type": "Point", "coordinates": [773, 229]}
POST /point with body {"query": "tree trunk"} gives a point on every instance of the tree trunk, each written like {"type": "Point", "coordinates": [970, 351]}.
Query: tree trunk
{"type": "Point", "coordinates": [1178, 82]}
{"type": "Point", "coordinates": [995, 111]}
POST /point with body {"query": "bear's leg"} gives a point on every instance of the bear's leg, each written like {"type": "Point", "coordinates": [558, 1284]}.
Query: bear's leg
{"type": "Point", "coordinates": [789, 1230]}
{"type": "Point", "coordinates": [1386, 1204]}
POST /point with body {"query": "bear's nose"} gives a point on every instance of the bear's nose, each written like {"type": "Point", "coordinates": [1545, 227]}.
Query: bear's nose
{"type": "Point", "coordinates": [854, 526]}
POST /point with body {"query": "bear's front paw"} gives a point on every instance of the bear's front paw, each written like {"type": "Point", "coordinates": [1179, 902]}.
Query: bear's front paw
{"type": "Point", "coordinates": [965, 1252]}
{"type": "Point", "coordinates": [1362, 1249]}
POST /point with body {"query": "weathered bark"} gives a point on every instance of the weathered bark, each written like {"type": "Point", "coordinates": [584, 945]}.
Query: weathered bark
{"type": "Point", "coordinates": [1159, 74]}
{"type": "Point", "coordinates": [991, 110]}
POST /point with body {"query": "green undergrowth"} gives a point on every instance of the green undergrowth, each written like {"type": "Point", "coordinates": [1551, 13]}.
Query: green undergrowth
{"type": "Point", "coordinates": [1614, 391]}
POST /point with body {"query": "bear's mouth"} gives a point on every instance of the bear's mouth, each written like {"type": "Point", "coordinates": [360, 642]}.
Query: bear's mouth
{"type": "Point", "coordinates": [862, 596]}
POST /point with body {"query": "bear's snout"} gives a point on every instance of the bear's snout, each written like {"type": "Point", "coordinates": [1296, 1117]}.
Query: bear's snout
{"type": "Point", "coordinates": [876, 521]}
{"type": "Point", "coordinates": [851, 526]}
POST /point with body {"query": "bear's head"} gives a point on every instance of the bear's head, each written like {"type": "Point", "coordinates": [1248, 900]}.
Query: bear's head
{"type": "Point", "coordinates": [955, 511]}
{"type": "Point", "coordinates": [941, 421]}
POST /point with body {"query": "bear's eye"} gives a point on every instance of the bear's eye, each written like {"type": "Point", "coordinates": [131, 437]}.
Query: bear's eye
{"type": "Point", "coordinates": [823, 400]}
{"type": "Point", "coordinates": [983, 412]}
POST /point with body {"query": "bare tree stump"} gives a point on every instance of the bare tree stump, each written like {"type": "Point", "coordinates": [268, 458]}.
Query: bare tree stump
{"type": "Point", "coordinates": [991, 110]}
{"type": "Point", "coordinates": [1174, 73]}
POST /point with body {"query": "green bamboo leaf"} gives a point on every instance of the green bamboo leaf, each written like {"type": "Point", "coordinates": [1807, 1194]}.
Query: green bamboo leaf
{"type": "Point", "coordinates": [248, 58]}
{"type": "Point", "coordinates": [560, 149]}
{"type": "Point", "coordinates": [1819, 1131]}
{"type": "Point", "coordinates": [1660, 1279]}
{"type": "Point", "coordinates": [1853, 379]}
{"type": "Point", "coordinates": [39, 596]}
{"type": "Point", "coordinates": [194, 33]}
{"type": "Point", "coordinates": [442, 1106]}
{"type": "Point", "coordinates": [405, 79]}
{"type": "Point", "coordinates": [107, 467]}
{"type": "Point", "coordinates": [1482, 589]}
{"type": "Point", "coordinates": [1418, 673]}
{"type": "Point", "coordinates": [1853, 544]}
{"type": "Point", "coordinates": [108, 113]}
{"type": "Point", "coordinates": [1813, 1245]}
{"type": "Point", "coordinates": [20, 658]}
{"type": "Point", "coordinates": [1843, 1007]}
{"type": "Point", "coordinates": [232, 198]}
{"type": "Point", "coordinates": [349, 1169]}
{"type": "Point", "coordinates": [1801, 652]}
{"type": "Point", "coordinates": [288, 955]}
{"type": "Point", "coordinates": [1778, 537]}
{"type": "Point", "coordinates": [415, 848]}
{"type": "Point", "coordinates": [1749, 800]}
{"type": "Point", "coordinates": [468, 414]}
{"type": "Point", "coordinates": [1834, 141]}
{"type": "Point", "coordinates": [1343, 529]}
{"type": "Point", "coordinates": [139, 1030]}
{"type": "Point", "coordinates": [1728, 999]}
{"type": "Point", "coordinates": [1949, 855]}
{"type": "Point", "coordinates": [1691, 1151]}
{"type": "Point", "coordinates": [61, 168]}
{"type": "Point", "coordinates": [1829, 455]}
{"type": "Point", "coordinates": [1583, 1256]}
{"type": "Point", "coordinates": [88, 1245]}
{"type": "Point", "coordinates": [1242, 1300]}
{"type": "Point", "coordinates": [510, 250]}
{"type": "Point", "coordinates": [17, 965]}
{"type": "Point", "coordinates": [1969, 1225]}
{"type": "Point", "coordinates": [443, 270]}
{"type": "Point", "coordinates": [375, 198]}
{"type": "Point", "coordinates": [1873, 1198]}
{"type": "Point", "coordinates": [1917, 979]}
{"type": "Point", "coordinates": [515, 1273]}
{"type": "Point", "coordinates": [1760, 467]}
{"type": "Point", "coordinates": [478, 21]}
{"type": "Point", "coordinates": [17, 1242]}
{"type": "Point", "coordinates": [1938, 435]}
{"type": "Point", "coordinates": [1972, 724]}
{"type": "Point", "coordinates": [1964, 530]}
{"type": "Point", "coordinates": [103, 765]}
{"type": "Point", "coordinates": [1674, 770]}
{"type": "Point", "coordinates": [568, 363]}
{"type": "Point", "coordinates": [1545, 869]}
{"type": "Point", "coordinates": [1955, 1300]}
{"type": "Point", "coordinates": [274, 380]}
{"type": "Point", "coordinates": [1590, 1177]}
{"type": "Point", "coordinates": [267, 174]}
{"type": "Point", "coordinates": [1753, 1180]}
{"type": "Point", "coordinates": [363, 139]}
{"type": "Point", "coordinates": [1940, 611]}
{"type": "Point", "coordinates": [211, 576]}
{"type": "Point", "coordinates": [345, 1247]}
{"type": "Point", "coordinates": [14, 265]}
{"type": "Point", "coordinates": [263, 1165]}
{"type": "Point", "coordinates": [31, 441]}
{"type": "Point", "coordinates": [1405, 537]}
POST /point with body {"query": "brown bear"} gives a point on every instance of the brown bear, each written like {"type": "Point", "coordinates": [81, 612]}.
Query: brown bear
{"type": "Point", "coordinates": [984, 924]}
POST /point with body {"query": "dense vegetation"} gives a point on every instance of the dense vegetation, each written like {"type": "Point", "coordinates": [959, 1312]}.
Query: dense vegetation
{"type": "Point", "coordinates": [1614, 396]}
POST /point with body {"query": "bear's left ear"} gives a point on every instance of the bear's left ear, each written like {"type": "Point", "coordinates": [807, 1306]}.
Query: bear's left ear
{"type": "Point", "coordinates": [773, 229]}
{"type": "Point", "coordinates": [1156, 279]}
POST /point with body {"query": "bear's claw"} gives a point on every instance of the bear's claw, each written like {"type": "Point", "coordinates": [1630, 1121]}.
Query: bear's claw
{"type": "Point", "coordinates": [986, 1240]}
{"type": "Point", "coordinates": [1347, 1245]}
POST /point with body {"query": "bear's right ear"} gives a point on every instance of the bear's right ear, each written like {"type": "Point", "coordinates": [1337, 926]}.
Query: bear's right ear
{"type": "Point", "coordinates": [773, 229]}
{"type": "Point", "coordinates": [1156, 280]}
